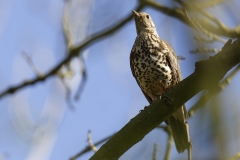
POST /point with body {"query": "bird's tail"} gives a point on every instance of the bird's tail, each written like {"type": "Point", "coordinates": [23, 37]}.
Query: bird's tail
{"type": "Point", "coordinates": [180, 130]}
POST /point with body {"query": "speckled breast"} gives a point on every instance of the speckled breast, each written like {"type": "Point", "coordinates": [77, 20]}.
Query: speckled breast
{"type": "Point", "coordinates": [150, 66]}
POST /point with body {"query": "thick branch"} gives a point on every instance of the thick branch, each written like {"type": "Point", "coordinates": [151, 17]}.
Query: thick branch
{"type": "Point", "coordinates": [206, 97]}
{"type": "Point", "coordinates": [208, 73]}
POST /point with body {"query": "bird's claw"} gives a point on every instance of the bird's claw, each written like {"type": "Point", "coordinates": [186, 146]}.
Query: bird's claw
{"type": "Point", "coordinates": [167, 100]}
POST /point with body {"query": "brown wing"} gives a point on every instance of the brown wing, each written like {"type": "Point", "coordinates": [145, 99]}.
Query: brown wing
{"type": "Point", "coordinates": [173, 62]}
{"type": "Point", "coordinates": [172, 59]}
{"type": "Point", "coordinates": [132, 56]}
{"type": "Point", "coordinates": [177, 122]}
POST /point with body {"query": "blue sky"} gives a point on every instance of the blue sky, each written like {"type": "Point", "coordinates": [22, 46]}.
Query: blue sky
{"type": "Point", "coordinates": [37, 122]}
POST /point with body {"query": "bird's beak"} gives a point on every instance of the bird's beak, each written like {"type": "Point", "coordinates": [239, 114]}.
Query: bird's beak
{"type": "Point", "coordinates": [135, 13]}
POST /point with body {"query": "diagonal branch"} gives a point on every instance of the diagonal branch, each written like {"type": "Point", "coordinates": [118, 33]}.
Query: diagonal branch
{"type": "Point", "coordinates": [72, 53]}
{"type": "Point", "coordinates": [179, 14]}
{"type": "Point", "coordinates": [169, 145]}
{"type": "Point", "coordinates": [207, 75]}
{"type": "Point", "coordinates": [206, 97]}
{"type": "Point", "coordinates": [88, 148]}
{"type": "Point", "coordinates": [210, 3]}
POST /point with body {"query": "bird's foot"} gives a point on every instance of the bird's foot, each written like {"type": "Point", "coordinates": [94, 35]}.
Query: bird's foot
{"type": "Point", "coordinates": [167, 100]}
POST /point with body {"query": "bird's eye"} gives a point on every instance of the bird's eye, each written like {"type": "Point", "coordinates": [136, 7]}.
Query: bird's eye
{"type": "Point", "coordinates": [147, 16]}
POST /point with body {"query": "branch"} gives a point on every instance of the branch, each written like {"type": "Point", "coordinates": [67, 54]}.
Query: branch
{"type": "Point", "coordinates": [31, 64]}
{"type": "Point", "coordinates": [210, 3]}
{"type": "Point", "coordinates": [206, 97]}
{"type": "Point", "coordinates": [155, 150]}
{"type": "Point", "coordinates": [83, 80]}
{"type": "Point", "coordinates": [205, 31]}
{"type": "Point", "coordinates": [205, 50]}
{"type": "Point", "coordinates": [88, 148]}
{"type": "Point", "coordinates": [90, 142]}
{"type": "Point", "coordinates": [207, 75]}
{"type": "Point", "coordinates": [179, 14]}
{"type": "Point", "coordinates": [169, 145]}
{"type": "Point", "coordinates": [72, 53]}
{"type": "Point", "coordinates": [207, 15]}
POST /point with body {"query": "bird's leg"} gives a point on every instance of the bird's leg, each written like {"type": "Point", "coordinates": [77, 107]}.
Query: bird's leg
{"type": "Point", "coordinates": [166, 98]}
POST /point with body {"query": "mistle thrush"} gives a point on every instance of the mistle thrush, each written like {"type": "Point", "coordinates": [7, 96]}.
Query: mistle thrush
{"type": "Point", "coordinates": [155, 67]}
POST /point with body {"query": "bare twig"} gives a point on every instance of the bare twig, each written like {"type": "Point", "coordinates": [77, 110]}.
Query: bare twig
{"type": "Point", "coordinates": [68, 93]}
{"type": "Point", "coordinates": [169, 148]}
{"type": "Point", "coordinates": [198, 26]}
{"type": "Point", "coordinates": [211, 3]}
{"type": "Point", "coordinates": [181, 58]}
{"type": "Point", "coordinates": [88, 148]}
{"type": "Point", "coordinates": [169, 145]}
{"type": "Point", "coordinates": [203, 39]}
{"type": "Point", "coordinates": [89, 139]}
{"type": "Point", "coordinates": [155, 150]}
{"type": "Point", "coordinates": [31, 64]}
{"type": "Point", "coordinates": [83, 80]}
{"type": "Point", "coordinates": [191, 6]}
{"type": "Point", "coordinates": [65, 23]}
{"type": "Point", "coordinates": [205, 50]}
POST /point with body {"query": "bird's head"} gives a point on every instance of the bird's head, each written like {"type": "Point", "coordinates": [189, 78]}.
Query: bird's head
{"type": "Point", "coordinates": [143, 22]}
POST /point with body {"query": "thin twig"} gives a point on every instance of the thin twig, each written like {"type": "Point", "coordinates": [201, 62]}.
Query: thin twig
{"type": "Point", "coordinates": [189, 150]}
{"type": "Point", "coordinates": [68, 94]}
{"type": "Point", "coordinates": [65, 23]}
{"type": "Point", "coordinates": [88, 148]}
{"type": "Point", "coordinates": [191, 6]}
{"type": "Point", "coordinates": [181, 58]}
{"type": "Point", "coordinates": [83, 80]}
{"type": "Point", "coordinates": [155, 150]}
{"type": "Point", "coordinates": [205, 50]}
{"type": "Point", "coordinates": [31, 64]}
{"type": "Point", "coordinates": [197, 25]}
{"type": "Point", "coordinates": [211, 3]}
{"type": "Point", "coordinates": [203, 39]}
{"type": "Point", "coordinates": [169, 145]}
{"type": "Point", "coordinates": [90, 142]}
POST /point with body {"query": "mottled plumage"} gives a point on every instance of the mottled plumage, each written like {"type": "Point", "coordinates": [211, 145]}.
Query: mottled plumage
{"type": "Point", "coordinates": [155, 67]}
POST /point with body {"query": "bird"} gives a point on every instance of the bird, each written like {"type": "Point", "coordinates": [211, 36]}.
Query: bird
{"type": "Point", "coordinates": [155, 67]}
